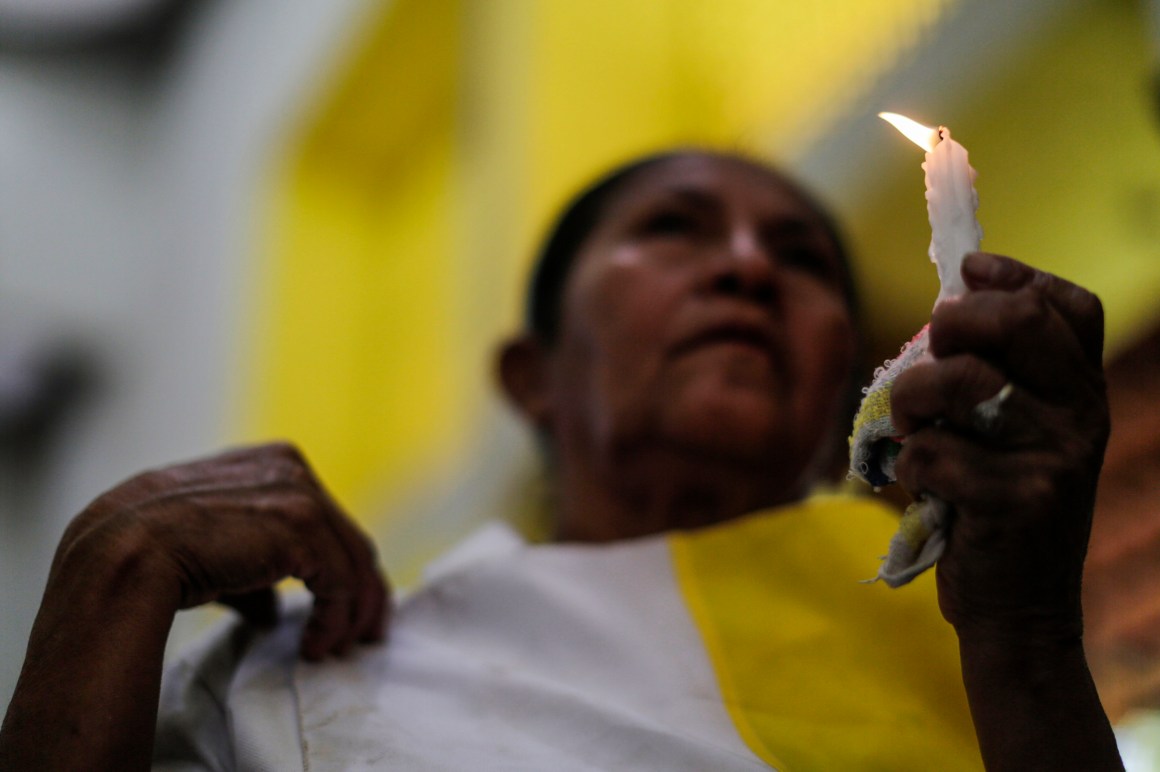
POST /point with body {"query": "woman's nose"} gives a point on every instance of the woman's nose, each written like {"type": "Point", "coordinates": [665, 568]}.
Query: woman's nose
{"type": "Point", "coordinates": [745, 269]}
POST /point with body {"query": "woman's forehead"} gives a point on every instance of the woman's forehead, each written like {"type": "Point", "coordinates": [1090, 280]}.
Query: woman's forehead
{"type": "Point", "coordinates": [709, 177]}
{"type": "Point", "coordinates": [722, 181]}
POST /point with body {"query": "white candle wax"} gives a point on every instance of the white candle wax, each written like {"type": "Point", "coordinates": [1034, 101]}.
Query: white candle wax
{"type": "Point", "coordinates": [951, 203]}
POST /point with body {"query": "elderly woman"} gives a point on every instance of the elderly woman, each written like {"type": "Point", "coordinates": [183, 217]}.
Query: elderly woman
{"type": "Point", "coordinates": [688, 360]}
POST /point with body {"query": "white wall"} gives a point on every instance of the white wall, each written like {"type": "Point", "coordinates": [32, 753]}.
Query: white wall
{"type": "Point", "coordinates": [125, 218]}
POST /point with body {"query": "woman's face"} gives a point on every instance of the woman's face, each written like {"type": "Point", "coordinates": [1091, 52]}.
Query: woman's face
{"type": "Point", "coordinates": [704, 314]}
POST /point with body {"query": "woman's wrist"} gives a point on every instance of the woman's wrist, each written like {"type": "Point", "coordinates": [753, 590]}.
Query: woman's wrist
{"type": "Point", "coordinates": [110, 565]}
{"type": "Point", "coordinates": [1033, 701]}
{"type": "Point", "coordinates": [94, 658]}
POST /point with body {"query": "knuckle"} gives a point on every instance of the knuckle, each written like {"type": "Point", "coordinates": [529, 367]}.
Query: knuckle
{"type": "Point", "coordinates": [280, 470]}
{"type": "Point", "coordinates": [237, 455]}
{"type": "Point", "coordinates": [1037, 487]}
{"type": "Point", "coordinates": [1088, 306]}
{"type": "Point", "coordinates": [283, 450]}
{"type": "Point", "coordinates": [1027, 310]}
{"type": "Point", "coordinates": [1036, 484]}
{"type": "Point", "coordinates": [290, 471]}
{"type": "Point", "coordinates": [1073, 300]}
{"type": "Point", "coordinates": [299, 510]}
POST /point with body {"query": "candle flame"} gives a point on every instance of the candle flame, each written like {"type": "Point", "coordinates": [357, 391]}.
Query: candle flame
{"type": "Point", "coordinates": [923, 136]}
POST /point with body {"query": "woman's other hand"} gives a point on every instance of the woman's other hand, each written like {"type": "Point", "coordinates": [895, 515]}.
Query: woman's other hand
{"type": "Point", "coordinates": [223, 528]}
{"type": "Point", "coordinates": [227, 528]}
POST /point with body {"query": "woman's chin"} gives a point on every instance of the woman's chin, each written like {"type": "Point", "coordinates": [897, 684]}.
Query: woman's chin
{"type": "Point", "coordinates": [747, 425]}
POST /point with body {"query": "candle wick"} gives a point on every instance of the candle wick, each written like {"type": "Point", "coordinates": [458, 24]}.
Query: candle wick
{"type": "Point", "coordinates": [943, 133]}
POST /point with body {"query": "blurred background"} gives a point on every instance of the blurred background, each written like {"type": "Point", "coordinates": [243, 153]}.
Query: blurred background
{"type": "Point", "coordinates": [229, 221]}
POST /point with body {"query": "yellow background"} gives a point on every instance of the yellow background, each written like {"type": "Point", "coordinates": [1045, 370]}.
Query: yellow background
{"type": "Point", "coordinates": [403, 213]}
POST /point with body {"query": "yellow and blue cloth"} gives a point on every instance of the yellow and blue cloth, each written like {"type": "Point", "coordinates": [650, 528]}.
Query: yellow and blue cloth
{"type": "Point", "coordinates": [874, 445]}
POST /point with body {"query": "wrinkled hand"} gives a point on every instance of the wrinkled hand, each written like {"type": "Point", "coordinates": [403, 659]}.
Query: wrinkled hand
{"type": "Point", "coordinates": [227, 528]}
{"type": "Point", "coordinates": [1023, 486]}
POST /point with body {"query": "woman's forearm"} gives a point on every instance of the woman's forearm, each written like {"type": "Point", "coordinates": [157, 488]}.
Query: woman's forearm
{"type": "Point", "coordinates": [87, 695]}
{"type": "Point", "coordinates": [1036, 706]}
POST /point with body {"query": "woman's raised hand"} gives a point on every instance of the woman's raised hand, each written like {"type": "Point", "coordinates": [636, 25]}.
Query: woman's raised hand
{"type": "Point", "coordinates": [1008, 424]}
{"type": "Point", "coordinates": [1019, 464]}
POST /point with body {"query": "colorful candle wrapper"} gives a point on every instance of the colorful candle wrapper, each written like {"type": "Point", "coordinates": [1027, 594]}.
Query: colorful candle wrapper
{"type": "Point", "coordinates": [874, 447]}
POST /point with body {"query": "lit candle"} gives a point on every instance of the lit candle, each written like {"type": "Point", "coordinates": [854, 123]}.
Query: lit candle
{"type": "Point", "coordinates": [951, 201]}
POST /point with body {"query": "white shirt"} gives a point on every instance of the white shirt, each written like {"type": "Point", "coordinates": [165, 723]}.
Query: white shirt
{"type": "Point", "coordinates": [510, 657]}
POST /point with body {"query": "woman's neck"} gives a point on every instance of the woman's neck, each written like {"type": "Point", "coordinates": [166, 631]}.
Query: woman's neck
{"type": "Point", "coordinates": [646, 493]}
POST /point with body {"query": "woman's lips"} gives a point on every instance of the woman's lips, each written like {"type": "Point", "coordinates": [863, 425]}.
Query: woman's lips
{"type": "Point", "coordinates": [738, 340]}
{"type": "Point", "coordinates": [736, 333]}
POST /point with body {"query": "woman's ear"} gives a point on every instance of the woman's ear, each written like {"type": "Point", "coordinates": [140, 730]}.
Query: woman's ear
{"type": "Point", "coordinates": [523, 372]}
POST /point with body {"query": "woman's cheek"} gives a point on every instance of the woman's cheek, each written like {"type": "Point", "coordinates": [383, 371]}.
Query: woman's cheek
{"type": "Point", "coordinates": [827, 350]}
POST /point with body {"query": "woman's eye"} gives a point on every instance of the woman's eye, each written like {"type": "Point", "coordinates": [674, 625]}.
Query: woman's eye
{"type": "Point", "coordinates": [806, 258]}
{"type": "Point", "coordinates": [670, 224]}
